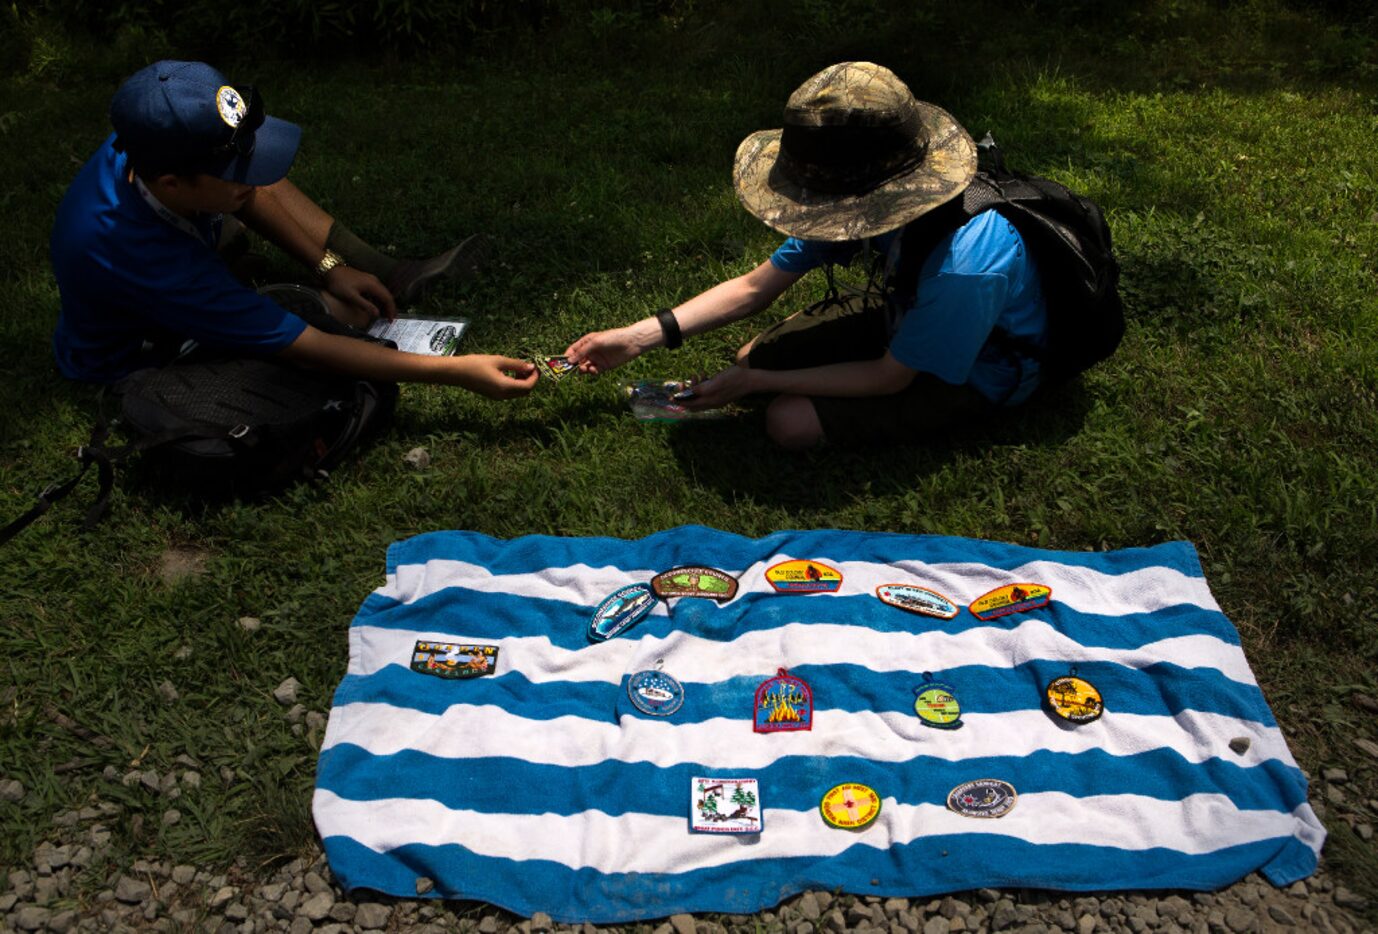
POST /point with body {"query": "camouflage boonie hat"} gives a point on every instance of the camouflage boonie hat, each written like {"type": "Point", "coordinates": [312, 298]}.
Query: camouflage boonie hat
{"type": "Point", "coordinates": [858, 156]}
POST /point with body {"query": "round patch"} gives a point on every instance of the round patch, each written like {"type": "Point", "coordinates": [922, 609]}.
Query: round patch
{"type": "Point", "coordinates": [985, 797]}
{"type": "Point", "coordinates": [850, 806]}
{"type": "Point", "coordinates": [230, 105]}
{"type": "Point", "coordinates": [937, 706]}
{"type": "Point", "coordinates": [656, 693]}
{"type": "Point", "coordinates": [1075, 699]}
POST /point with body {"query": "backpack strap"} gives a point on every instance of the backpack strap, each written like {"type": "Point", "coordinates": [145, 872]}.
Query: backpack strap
{"type": "Point", "coordinates": [93, 452]}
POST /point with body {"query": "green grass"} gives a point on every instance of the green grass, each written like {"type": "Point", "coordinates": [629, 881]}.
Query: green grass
{"type": "Point", "coordinates": [1232, 152]}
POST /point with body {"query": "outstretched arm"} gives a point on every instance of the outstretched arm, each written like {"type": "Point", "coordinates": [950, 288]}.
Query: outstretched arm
{"type": "Point", "coordinates": [492, 376]}
{"type": "Point", "coordinates": [722, 304]}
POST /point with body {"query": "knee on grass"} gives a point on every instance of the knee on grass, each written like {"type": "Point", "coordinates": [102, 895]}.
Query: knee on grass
{"type": "Point", "coordinates": [792, 422]}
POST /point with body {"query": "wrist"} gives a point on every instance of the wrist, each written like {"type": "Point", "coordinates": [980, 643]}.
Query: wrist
{"type": "Point", "coordinates": [645, 335]}
{"type": "Point", "coordinates": [331, 260]}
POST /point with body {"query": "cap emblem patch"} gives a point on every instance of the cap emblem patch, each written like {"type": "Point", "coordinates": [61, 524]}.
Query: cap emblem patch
{"type": "Point", "coordinates": [231, 105]}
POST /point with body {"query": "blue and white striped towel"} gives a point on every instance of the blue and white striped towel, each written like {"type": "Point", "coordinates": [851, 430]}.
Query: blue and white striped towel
{"type": "Point", "coordinates": [540, 788]}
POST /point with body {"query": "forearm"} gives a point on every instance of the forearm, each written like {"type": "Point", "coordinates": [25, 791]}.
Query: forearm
{"type": "Point", "coordinates": [348, 355]}
{"type": "Point", "coordinates": [269, 218]}
{"type": "Point", "coordinates": [722, 304]}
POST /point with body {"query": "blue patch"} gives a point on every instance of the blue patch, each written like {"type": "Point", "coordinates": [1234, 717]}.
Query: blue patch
{"type": "Point", "coordinates": [654, 692]}
{"type": "Point", "coordinates": [621, 611]}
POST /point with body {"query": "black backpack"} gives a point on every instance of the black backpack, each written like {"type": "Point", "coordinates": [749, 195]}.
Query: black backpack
{"type": "Point", "coordinates": [233, 426]}
{"type": "Point", "coordinates": [1068, 239]}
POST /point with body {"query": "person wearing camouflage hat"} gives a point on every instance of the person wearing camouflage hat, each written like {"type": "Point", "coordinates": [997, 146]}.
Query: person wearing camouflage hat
{"type": "Point", "coordinates": [858, 163]}
{"type": "Point", "coordinates": [136, 239]}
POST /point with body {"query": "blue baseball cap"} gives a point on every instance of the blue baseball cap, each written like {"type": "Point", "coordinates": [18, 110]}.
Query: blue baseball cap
{"type": "Point", "coordinates": [185, 117]}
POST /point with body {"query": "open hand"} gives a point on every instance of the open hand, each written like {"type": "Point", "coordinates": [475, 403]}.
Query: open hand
{"type": "Point", "coordinates": [494, 376]}
{"type": "Point", "coordinates": [604, 350]}
{"type": "Point", "coordinates": [361, 292]}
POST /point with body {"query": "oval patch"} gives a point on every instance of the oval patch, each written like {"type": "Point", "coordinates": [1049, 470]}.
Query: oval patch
{"type": "Point", "coordinates": [620, 611]}
{"type": "Point", "coordinates": [695, 582]}
{"type": "Point", "coordinates": [1012, 598]}
{"type": "Point", "coordinates": [985, 797]}
{"type": "Point", "coordinates": [917, 599]}
{"type": "Point", "coordinates": [1075, 699]}
{"type": "Point", "coordinates": [937, 706]}
{"type": "Point", "coordinates": [800, 576]}
{"type": "Point", "coordinates": [850, 806]}
{"type": "Point", "coordinates": [655, 693]}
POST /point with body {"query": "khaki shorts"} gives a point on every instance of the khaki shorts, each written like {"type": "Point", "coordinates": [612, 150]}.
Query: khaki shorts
{"type": "Point", "coordinates": [857, 328]}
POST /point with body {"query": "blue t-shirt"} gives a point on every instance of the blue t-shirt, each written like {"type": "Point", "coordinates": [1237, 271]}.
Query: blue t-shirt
{"type": "Point", "coordinates": [976, 279]}
{"type": "Point", "coordinates": [126, 276]}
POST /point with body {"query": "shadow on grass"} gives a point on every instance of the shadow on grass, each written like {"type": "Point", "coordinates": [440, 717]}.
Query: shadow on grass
{"type": "Point", "coordinates": [736, 459]}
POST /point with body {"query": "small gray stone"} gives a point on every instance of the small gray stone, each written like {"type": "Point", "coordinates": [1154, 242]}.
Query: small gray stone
{"type": "Point", "coordinates": [191, 779]}
{"type": "Point", "coordinates": [662, 929]}
{"type": "Point", "coordinates": [171, 816]}
{"type": "Point", "coordinates": [1347, 899]}
{"type": "Point", "coordinates": [1338, 776]}
{"type": "Point", "coordinates": [835, 922]}
{"type": "Point", "coordinates": [62, 922]}
{"type": "Point", "coordinates": [301, 925]}
{"type": "Point", "coordinates": [168, 692]}
{"type": "Point", "coordinates": [31, 918]}
{"type": "Point", "coordinates": [222, 897]}
{"type": "Point", "coordinates": [286, 692]}
{"type": "Point", "coordinates": [1364, 702]}
{"type": "Point", "coordinates": [1003, 916]}
{"type": "Point", "coordinates": [419, 458]}
{"type": "Point", "coordinates": [249, 623]}
{"type": "Point", "coordinates": [893, 906]}
{"type": "Point", "coordinates": [317, 906]}
{"type": "Point", "coordinates": [682, 923]}
{"type": "Point", "coordinates": [295, 713]}
{"type": "Point", "coordinates": [7, 902]}
{"type": "Point", "coordinates": [183, 875]}
{"type": "Point", "coordinates": [1240, 920]}
{"type": "Point", "coordinates": [343, 912]}
{"type": "Point", "coordinates": [488, 925]}
{"type": "Point", "coordinates": [424, 885]}
{"type": "Point", "coordinates": [1280, 915]}
{"type": "Point", "coordinates": [150, 780]}
{"type": "Point", "coordinates": [808, 907]}
{"type": "Point", "coordinates": [11, 790]}
{"type": "Point", "coordinates": [1368, 746]}
{"type": "Point", "coordinates": [989, 896]}
{"type": "Point", "coordinates": [315, 720]}
{"type": "Point", "coordinates": [131, 891]}
{"type": "Point", "coordinates": [937, 925]}
{"type": "Point", "coordinates": [235, 911]}
{"type": "Point", "coordinates": [315, 884]}
{"type": "Point", "coordinates": [1086, 924]}
{"type": "Point", "coordinates": [372, 915]}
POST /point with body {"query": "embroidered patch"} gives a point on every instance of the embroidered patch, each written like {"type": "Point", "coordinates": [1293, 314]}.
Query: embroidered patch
{"type": "Point", "coordinates": [985, 797]}
{"type": "Point", "coordinates": [450, 660]}
{"type": "Point", "coordinates": [916, 599]}
{"type": "Point", "coordinates": [784, 704]}
{"type": "Point", "coordinates": [850, 806]}
{"type": "Point", "coordinates": [695, 581]}
{"type": "Point", "coordinates": [1012, 598]}
{"type": "Point", "coordinates": [1075, 699]}
{"type": "Point", "coordinates": [230, 105]}
{"type": "Point", "coordinates": [800, 576]}
{"type": "Point", "coordinates": [620, 611]}
{"type": "Point", "coordinates": [937, 706]}
{"type": "Point", "coordinates": [725, 805]}
{"type": "Point", "coordinates": [654, 692]}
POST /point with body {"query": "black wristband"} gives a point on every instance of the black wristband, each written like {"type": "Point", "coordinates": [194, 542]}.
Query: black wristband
{"type": "Point", "coordinates": [670, 328]}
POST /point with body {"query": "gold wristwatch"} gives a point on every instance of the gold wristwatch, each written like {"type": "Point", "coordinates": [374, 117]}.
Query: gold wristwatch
{"type": "Point", "coordinates": [329, 261]}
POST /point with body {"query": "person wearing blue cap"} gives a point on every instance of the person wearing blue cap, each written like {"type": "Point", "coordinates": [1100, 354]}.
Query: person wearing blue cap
{"type": "Point", "coordinates": [134, 246]}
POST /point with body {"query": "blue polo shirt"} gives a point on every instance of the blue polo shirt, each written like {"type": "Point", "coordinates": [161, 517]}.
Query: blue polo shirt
{"type": "Point", "coordinates": [125, 276]}
{"type": "Point", "coordinates": [977, 279]}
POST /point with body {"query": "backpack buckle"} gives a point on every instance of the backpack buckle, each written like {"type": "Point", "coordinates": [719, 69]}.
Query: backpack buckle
{"type": "Point", "coordinates": [238, 432]}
